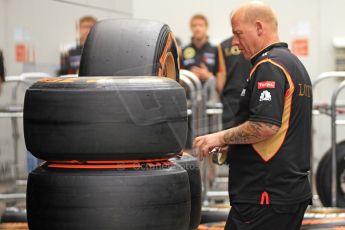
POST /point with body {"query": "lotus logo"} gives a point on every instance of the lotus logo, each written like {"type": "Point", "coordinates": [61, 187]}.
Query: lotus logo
{"type": "Point", "coordinates": [265, 96]}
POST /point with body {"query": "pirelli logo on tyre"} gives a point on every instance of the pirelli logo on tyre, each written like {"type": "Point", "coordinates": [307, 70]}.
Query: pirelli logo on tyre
{"type": "Point", "coordinates": [266, 84]}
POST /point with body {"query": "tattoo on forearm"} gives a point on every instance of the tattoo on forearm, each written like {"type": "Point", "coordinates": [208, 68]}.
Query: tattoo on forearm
{"type": "Point", "coordinates": [249, 132]}
{"type": "Point", "coordinates": [272, 127]}
{"type": "Point", "coordinates": [269, 125]}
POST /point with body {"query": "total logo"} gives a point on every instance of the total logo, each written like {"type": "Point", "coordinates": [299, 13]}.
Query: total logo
{"type": "Point", "coordinates": [265, 96]}
{"type": "Point", "coordinates": [266, 84]}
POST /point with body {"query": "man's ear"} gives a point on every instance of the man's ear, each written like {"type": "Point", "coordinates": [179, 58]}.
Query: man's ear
{"type": "Point", "coordinates": [259, 28]}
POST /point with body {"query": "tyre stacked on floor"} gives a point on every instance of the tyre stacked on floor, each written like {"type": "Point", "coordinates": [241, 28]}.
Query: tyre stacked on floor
{"type": "Point", "coordinates": [191, 165]}
{"type": "Point", "coordinates": [107, 140]}
{"type": "Point", "coordinates": [104, 198]}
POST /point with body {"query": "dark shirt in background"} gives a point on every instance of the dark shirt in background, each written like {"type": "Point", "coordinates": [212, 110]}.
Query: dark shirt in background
{"type": "Point", "coordinates": [207, 54]}
{"type": "Point", "coordinates": [237, 71]}
{"type": "Point", "coordinates": [70, 62]}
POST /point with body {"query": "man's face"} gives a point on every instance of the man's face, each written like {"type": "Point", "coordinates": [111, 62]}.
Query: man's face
{"type": "Point", "coordinates": [84, 29]}
{"type": "Point", "coordinates": [199, 28]}
{"type": "Point", "coordinates": [245, 36]}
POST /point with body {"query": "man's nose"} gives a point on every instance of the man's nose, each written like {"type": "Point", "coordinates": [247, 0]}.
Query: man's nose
{"type": "Point", "coordinates": [235, 41]}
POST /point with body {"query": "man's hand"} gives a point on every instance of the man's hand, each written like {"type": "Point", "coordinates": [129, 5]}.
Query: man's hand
{"type": "Point", "coordinates": [202, 72]}
{"type": "Point", "coordinates": [249, 132]}
{"type": "Point", "coordinates": [204, 144]}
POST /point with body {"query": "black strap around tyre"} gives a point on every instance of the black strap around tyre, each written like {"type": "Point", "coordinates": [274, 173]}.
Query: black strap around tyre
{"type": "Point", "coordinates": [82, 199]}
{"type": "Point", "coordinates": [105, 118]}
{"type": "Point", "coordinates": [324, 177]}
{"type": "Point", "coordinates": [191, 165]}
{"type": "Point", "coordinates": [130, 47]}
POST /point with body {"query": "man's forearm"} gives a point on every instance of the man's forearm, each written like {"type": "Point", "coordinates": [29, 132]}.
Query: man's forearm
{"type": "Point", "coordinates": [249, 133]}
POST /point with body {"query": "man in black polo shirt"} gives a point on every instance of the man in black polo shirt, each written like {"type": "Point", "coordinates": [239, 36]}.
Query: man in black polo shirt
{"type": "Point", "coordinates": [70, 61]}
{"type": "Point", "coordinates": [200, 57]}
{"type": "Point", "coordinates": [229, 86]}
{"type": "Point", "coordinates": [270, 144]}
{"type": "Point", "coordinates": [2, 70]}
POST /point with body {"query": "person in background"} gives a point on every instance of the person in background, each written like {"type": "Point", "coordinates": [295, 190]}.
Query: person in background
{"type": "Point", "coordinates": [2, 70]}
{"type": "Point", "coordinates": [270, 143]}
{"type": "Point", "coordinates": [70, 61]}
{"type": "Point", "coordinates": [179, 48]}
{"type": "Point", "coordinates": [229, 86]}
{"type": "Point", "coordinates": [200, 57]}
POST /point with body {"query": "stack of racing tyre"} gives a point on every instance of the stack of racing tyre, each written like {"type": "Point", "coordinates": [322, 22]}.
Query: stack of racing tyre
{"type": "Point", "coordinates": [112, 138]}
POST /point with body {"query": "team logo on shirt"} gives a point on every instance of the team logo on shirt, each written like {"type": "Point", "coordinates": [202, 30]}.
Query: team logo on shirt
{"type": "Point", "coordinates": [233, 50]}
{"type": "Point", "coordinates": [209, 58]}
{"type": "Point", "coordinates": [189, 53]}
{"type": "Point", "coordinates": [266, 84]}
{"type": "Point", "coordinates": [265, 96]}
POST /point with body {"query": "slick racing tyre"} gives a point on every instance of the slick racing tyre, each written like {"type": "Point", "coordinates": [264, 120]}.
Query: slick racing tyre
{"type": "Point", "coordinates": [105, 118]}
{"type": "Point", "coordinates": [191, 165]}
{"type": "Point", "coordinates": [324, 177]}
{"type": "Point", "coordinates": [82, 199]}
{"type": "Point", "coordinates": [130, 47]}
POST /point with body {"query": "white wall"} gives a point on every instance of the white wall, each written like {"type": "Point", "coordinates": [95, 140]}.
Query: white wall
{"type": "Point", "coordinates": [47, 24]}
{"type": "Point", "coordinates": [2, 23]}
{"type": "Point", "coordinates": [319, 21]}
{"type": "Point", "coordinates": [331, 24]}
{"type": "Point", "coordinates": [177, 17]}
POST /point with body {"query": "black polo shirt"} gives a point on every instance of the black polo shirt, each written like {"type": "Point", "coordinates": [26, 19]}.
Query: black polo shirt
{"type": "Point", "coordinates": [70, 62]}
{"type": "Point", "coordinates": [2, 69]}
{"type": "Point", "coordinates": [274, 171]}
{"type": "Point", "coordinates": [237, 71]}
{"type": "Point", "coordinates": [207, 54]}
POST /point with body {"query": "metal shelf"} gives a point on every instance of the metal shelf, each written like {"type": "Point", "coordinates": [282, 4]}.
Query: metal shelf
{"type": "Point", "coordinates": [11, 114]}
{"type": "Point", "coordinates": [12, 196]}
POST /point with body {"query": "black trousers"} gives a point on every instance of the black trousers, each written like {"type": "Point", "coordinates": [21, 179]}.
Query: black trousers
{"type": "Point", "coordinates": [266, 217]}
